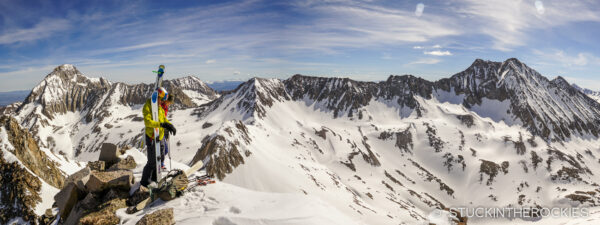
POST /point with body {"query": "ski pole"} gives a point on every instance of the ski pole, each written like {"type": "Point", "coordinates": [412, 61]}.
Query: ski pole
{"type": "Point", "coordinates": [169, 153]}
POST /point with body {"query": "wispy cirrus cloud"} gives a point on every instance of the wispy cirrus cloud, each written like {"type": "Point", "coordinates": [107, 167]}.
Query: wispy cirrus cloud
{"type": "Point", "coordinates": [428, 61]}
{"type": "Point", "coordinates": [44, 29]}
{"type": "Point", "coordinates": [561, 57]}
{"type": "Point", "coordinates": [355, 24]}
{"type": "Point", "coordinates": [511, 23]}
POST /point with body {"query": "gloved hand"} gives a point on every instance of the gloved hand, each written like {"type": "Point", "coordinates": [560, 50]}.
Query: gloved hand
{"type": "Point", "coordinates": [169, 127]}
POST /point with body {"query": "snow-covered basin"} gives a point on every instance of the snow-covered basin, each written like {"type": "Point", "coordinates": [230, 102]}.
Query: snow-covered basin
{"type": "Point", "coordinates": [226, 204]}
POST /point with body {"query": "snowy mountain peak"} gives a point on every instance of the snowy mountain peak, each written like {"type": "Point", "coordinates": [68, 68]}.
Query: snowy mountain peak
{"type": "Point", "coordinates": [258, 93]}
{"type": "Point", "coordinates": [65, 67]}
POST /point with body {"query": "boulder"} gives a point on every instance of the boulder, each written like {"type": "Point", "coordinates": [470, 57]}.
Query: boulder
{"type": "Point", "coordinates": [124, 164]}
{"type": "Point", "coordinates": [109, 153]}
{"type": "Point", "coordinates": [160, 217]}
{"type": "Point", "coordinates": [90, 201]}
{"type": "Point", "coordinates": [114, 194]}
{"type": "Point", "coordinates": [103, 180]}
{"type": "Point", "coordinates": [138, 196]}
{"type": "Point", "coordinates": [97, 165]}
{"type": "Point", "coordinates": [66, 199]}
{"type": "Point", "coordinates": [75, 214]}
{"type": "Point", "coordinates": [79, 178]}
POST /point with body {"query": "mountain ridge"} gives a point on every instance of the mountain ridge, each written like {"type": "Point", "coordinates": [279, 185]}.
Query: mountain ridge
{"type": "Point", "coordinates": [391, 150]}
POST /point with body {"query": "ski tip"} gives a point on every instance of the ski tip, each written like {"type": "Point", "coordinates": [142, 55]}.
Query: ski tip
{"type": "Point", "coordinates": [154, 96]}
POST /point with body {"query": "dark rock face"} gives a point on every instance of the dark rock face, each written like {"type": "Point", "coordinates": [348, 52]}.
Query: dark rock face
{"type": "Point", "coordinates": [19, 192]}
{"type": "Point", "coordinates": [28, 152]}
{"type": "Point", "coordinates": [404, 139]}
{"type": "Point", "coordinates": [225, 155]}
{"type": "Point", "coordinates": [345, 96]}
{"type": "Point", "coordinates": [337, 94]}
{"type": "Point", "coordinates": [491, 169]}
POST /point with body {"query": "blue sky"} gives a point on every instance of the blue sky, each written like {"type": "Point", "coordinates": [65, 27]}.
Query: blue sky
{"type": "Point", "coordinates": [235, 40]}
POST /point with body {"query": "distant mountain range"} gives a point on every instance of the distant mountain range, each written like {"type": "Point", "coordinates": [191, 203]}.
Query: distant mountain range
{"type": "Point", "coordinates": [225, 85]}
{"type": "Point", "coordinates": [7, 98]}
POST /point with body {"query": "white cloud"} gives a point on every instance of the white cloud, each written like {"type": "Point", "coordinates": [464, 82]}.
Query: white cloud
{"type": "Point", "coordinates": [437, 53]}
{"type": "Point", "coordinates": [539, 5]}
{"type": "Point", "coordinates": [569, 60]}
{"type": "Point", "coordinates": [44, 29]}
{"type": "Point", "coordinates": [132, 47]}
{"type": "Point", "coordinates": [425, 61]}
{"type": "Point", "coordinates": [510, 23]}
{"type": "Point", "coordinates": [356, 24]}
{"type": "Point", "coordinates": [237, 72]}
{"type": "Point", "coordinates": [210, 61]}
{"type": "Point", "coordinates": [436, 46]}
{"type": "Point", "coordinates": [418, 47]}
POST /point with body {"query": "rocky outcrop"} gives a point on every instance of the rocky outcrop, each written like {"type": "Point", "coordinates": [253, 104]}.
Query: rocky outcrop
{"type": "Point", "coordinates": [404, 140]}
{"type": "Point", "coordinates": [9, 109]}
{"type": "Point", "coordinates": [159, 217]}
{"type": "Point", "coordinates": [223, 154]}
{"type": "Point", "coordinates": [25, 148]}
{"type": "Point", "coordinates": [92, 196]}
{"type": "Point", "coordinates": [23, 166]}
{"type": "Point", "coordinates": [491, 169]}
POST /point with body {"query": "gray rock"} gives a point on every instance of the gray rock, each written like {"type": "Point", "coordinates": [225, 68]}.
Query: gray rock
{"type": "Point", "coordinates": [66, 199]}
{"type": "Point", "coordinates": [124, 164]}
{"type": "Point", "coordinates": [75, 214]}
{"type": "Point", "coordinates": [109, 153]}
{"type": "Point", "coordinates": [90, 201]}
{"type": "Point", "coordinates": [100, 181]}
{"type": "Point", "coordinates": [80, 178]}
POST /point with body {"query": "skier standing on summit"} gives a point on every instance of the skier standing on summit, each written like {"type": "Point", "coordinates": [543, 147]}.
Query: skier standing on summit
{"type": "Point", "coordinates": [163, 125]}
{"type": "Point", "coordinates": [165, 105]}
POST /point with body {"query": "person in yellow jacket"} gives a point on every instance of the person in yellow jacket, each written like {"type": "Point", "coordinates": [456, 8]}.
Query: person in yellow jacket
{"type": "Point", "coordinates": [163, 125]}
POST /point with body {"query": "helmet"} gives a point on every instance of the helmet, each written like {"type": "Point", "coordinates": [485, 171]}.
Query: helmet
{"type": "Point", "coordinates": [162, 93]}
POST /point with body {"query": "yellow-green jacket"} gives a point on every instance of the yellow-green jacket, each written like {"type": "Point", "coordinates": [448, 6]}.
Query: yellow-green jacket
{"type": "Point", "coordinates": [151, 124]}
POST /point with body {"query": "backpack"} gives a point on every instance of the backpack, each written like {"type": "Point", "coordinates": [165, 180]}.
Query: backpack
{"type": "Point", "coordinates": [172, 186]}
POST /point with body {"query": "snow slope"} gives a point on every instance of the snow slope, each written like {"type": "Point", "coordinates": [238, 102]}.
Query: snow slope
{"type": "Point", "coordinates": [223, 203]}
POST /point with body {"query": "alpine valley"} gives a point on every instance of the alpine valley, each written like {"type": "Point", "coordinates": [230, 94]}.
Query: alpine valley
{"type": "Point", "coordinates": [319, 150]}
